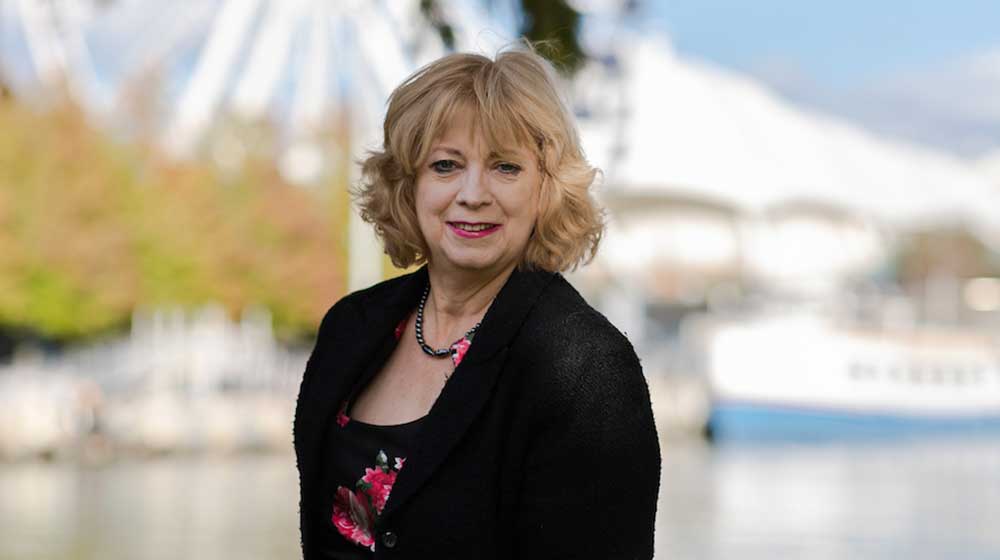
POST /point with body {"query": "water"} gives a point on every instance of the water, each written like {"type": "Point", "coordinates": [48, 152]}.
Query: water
{"type": "Point", "coordinates": [168, 508]}
{"type": "Point", "coordinates": [909, 500]}
{"type": "Point", "coordinates": [935, 499]}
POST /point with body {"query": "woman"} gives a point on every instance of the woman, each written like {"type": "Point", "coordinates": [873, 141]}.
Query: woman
{"type": "Point", "coordinates": [478, 407]}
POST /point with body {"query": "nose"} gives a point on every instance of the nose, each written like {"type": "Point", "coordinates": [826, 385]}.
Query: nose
{"type": "Point", "coordinates": [475, 191]}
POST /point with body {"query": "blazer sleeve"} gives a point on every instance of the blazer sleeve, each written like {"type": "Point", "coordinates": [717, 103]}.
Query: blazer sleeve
{"type": "Point", "coordinates": [592, 469]}
{"type": "Point", "coordinates": [329, 327]}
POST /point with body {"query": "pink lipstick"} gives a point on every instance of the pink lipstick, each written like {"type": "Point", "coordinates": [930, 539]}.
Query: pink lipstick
{"type": "Point", "coordinates": [473, 230]}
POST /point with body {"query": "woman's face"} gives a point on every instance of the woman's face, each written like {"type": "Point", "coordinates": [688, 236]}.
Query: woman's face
{"type": "Point", "coordinates": [476, 209]}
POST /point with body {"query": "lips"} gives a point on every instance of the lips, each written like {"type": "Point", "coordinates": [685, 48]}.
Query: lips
{"type": "Point", "coordinates": [473, 229]}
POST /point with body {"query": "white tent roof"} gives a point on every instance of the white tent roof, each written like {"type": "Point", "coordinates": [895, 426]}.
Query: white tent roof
{"type": "Point", "coordinates": [695, 130]}
{"type": "Point", "coordinates": [990, 166]}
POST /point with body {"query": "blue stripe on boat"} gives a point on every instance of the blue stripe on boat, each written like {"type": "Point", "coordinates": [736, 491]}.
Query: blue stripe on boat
{"type": "Point", "coordinates": [752, 421]}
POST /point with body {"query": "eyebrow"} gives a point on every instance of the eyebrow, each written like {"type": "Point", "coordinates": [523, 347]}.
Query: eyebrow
{"type": "Point", "coordinates": [505, 154]}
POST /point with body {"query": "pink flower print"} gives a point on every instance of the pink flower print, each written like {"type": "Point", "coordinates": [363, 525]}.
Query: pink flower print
{"type": "Point", "coordinates": [459, 349]}
{"type": "Point", "coordinates": [352, 515]}
{"type": "Point", "coordinates": [378, 485]}
{"type": "Point", "coordinates": [401, 327]}
{"type": "Point", "coordinates": [342, 418]}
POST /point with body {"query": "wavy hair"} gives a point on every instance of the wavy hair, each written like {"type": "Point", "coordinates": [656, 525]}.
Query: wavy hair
{"type": "Point", "coordinates": [516, 101]}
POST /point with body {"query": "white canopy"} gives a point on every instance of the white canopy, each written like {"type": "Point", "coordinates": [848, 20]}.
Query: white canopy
{"type": "Point", "coordinates": [990, 166]}
{"type": "Point", "coordinates": [694, 130]}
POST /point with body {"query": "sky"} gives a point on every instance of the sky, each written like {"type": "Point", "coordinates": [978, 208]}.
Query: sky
{"type": "Point", "coordinates": [927, 71]}
{"type": "Point", "coordinates": [922, 71]}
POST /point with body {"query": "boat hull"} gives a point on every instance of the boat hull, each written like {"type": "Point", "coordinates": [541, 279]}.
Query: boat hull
{"type": "Point", "coordinates": [765, 421]}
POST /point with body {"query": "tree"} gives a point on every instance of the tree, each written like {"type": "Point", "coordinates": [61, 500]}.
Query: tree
{"type": "Point", "coordinates": [90, 229]}
{"type": "Point", "coordinates": [553, 22]}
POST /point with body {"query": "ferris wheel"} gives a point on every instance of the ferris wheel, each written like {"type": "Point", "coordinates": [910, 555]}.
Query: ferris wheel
{"type": "Point", "coordinates": [294, 61]}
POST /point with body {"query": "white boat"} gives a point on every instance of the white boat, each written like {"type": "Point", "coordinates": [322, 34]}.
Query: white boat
{"type": "Point", "coordinates": [804, 377]}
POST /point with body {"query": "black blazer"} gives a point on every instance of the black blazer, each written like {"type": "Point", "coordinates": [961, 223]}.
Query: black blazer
{"type": "Point", "coordinates": [541, 445]}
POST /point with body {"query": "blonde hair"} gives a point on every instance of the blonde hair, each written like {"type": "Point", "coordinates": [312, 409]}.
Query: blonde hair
{"type": "Point", "coordinates": [516, 102]}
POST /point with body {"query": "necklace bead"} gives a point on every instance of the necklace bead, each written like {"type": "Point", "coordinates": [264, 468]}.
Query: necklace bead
{"type": "Point", "coordinates": [419, 328]}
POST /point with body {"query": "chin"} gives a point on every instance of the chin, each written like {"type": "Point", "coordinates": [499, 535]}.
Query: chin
{"type": "Point", "coordinates": [473, 262]}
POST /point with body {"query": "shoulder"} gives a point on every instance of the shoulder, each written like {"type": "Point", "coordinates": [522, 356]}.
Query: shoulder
{"type": "Point", "coordinates": [562, 326]}
{"type": "Point", "coordinates": [339, 325]}
{"type": "Point", "coordinates": [351, 303]}
{"type": "Point", "coordinates": [572, 351]}
{"type": "Point", "coordinates": [380, 290]}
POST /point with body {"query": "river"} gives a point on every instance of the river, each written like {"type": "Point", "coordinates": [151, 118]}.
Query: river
{"type": "Point", "coordinates": [932, 499]}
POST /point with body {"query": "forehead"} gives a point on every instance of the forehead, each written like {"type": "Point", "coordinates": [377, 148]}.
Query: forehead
{"type": "Point", "coordinates": [462, 128]}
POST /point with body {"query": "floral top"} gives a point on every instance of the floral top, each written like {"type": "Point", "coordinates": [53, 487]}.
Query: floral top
{"type": "Point", "coordinates": [362, 463]}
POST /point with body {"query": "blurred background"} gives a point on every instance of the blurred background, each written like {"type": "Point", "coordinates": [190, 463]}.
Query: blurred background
{"type": "Point", "coordinates": [803, 246]}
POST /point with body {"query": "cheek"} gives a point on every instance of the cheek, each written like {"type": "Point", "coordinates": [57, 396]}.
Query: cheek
{"type": "Point", "coordinates": [429, 201]}
{"type": "Point", "coordinates": [524, 202]}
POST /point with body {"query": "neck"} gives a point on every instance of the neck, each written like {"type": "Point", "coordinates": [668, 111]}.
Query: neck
{"type": "Point", "coordinates": [459, 300]}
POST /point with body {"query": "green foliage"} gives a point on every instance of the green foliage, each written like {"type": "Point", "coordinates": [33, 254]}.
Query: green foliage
{"type": "Point", "coordinates": [552, 24]}
{"type": "Point", "coordinates": [429, 8]}
{"type": "Point", "coordinates": [89, 230]}
{"type": "Point", "coordinates": [555, 23]}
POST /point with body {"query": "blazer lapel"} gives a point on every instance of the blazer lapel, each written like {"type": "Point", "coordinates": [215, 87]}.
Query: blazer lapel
{"type": "Point", "coordinates": [471, 384]}
{"type": "Point", "coordinates": [342, 366]}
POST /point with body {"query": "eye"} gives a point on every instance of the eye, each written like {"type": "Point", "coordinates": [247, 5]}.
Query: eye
{"type": "Point", "coordinates": [444, 166]}
{"type": "Point", "coordinates": [508, 168]}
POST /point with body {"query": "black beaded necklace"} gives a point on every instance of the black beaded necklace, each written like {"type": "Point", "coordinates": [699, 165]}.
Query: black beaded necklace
{"type": "Point", "coordinates": [441, 352]}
